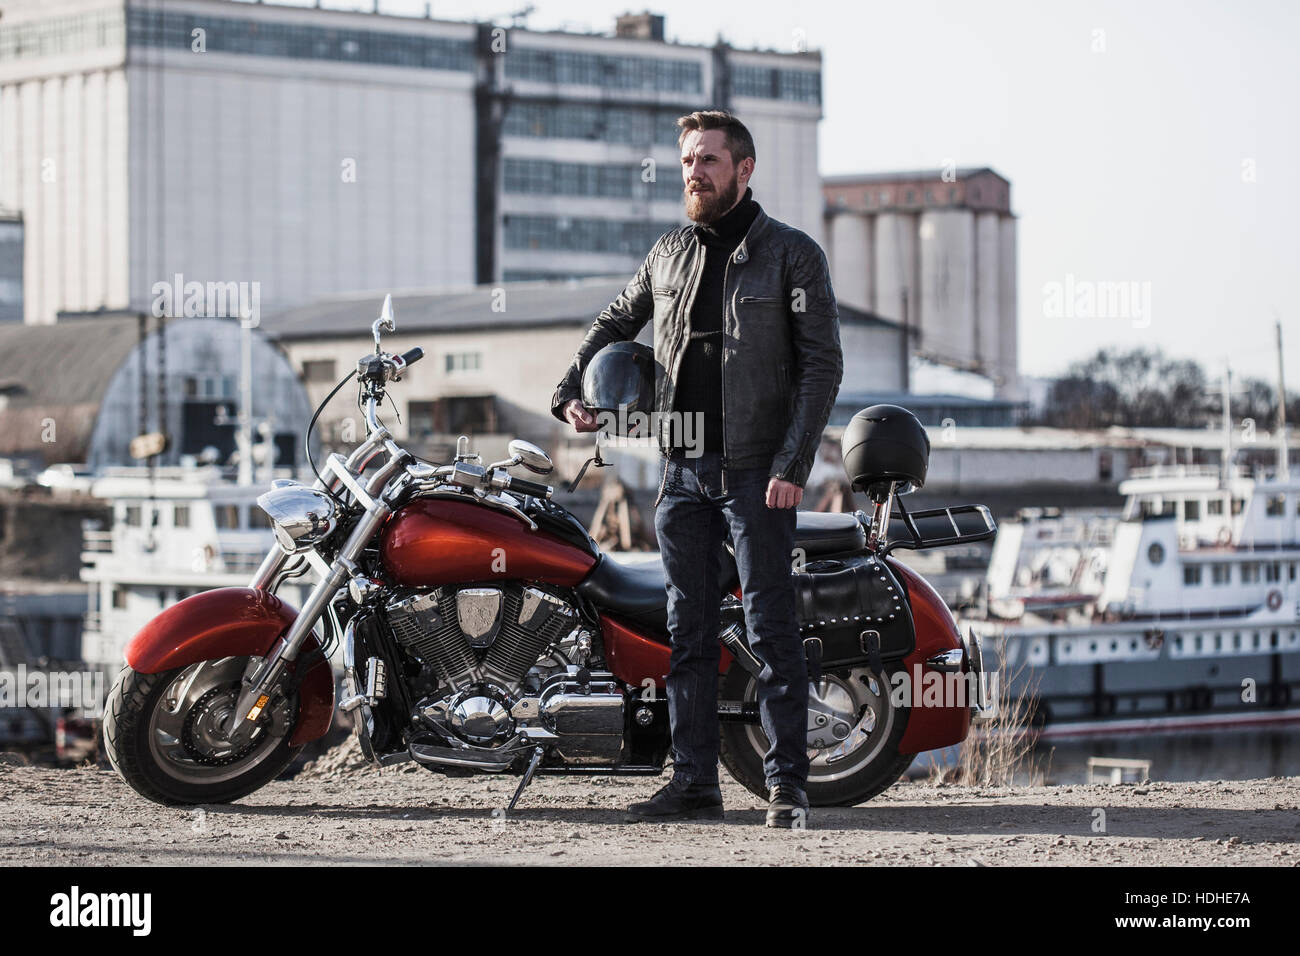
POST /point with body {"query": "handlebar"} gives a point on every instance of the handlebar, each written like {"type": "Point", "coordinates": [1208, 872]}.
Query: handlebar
{"type": "Point", "coordinates": [522, 485]}
{"type": "Point", "coordinates": [413, 356]}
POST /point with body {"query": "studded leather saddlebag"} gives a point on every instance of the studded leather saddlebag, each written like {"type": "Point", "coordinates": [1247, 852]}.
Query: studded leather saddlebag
{"type": "Point", "coordinates": [857, 609]}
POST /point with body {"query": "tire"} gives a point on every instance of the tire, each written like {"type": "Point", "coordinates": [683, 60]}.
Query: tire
{"type": "Point", "coordinates": [866, 770]}
{"type": "Point", "coordinates": [135, 738]}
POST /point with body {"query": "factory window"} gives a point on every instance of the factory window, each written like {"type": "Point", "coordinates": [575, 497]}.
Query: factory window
{"type": "Point", "coordinates": [1214, 506]}
{"type": "Point", "coordinates": [62, 36]}
{"type": "Point", "coordinates": [800, 86]}
{"type": "Point", "coordinates": [419, 418]}
{"type": "Point", "coordinates": [583, 235]}
{"type": "Point", "coordinates": [910, 196]}
{"type": "Point", "coordinates": [1237, 505]}
{"type": "Point", "coordinates": [257, 518]}
{"type": "Point", "coordinates": [1192, 509]}
{"type": "Point", "coordinates": [1192, 574]}
{"type": "Point", "coordinates": [1250, 573]}
{"type": "Point", "coordinates": [454, 362]}
{"type": "Point", "coordinates": [1275, 506]}
{"type": "Point", "coordinates": [618, 181]}
{"type": "Point", "coordinates": [133, 516]}
{"type": "Point", "coordinates": [603, 70]}
{"type": "Point", "coordinates": [1220, 573]}
{"type": "Point", "coordinates": [181, 516]}
{"type": "Point", "coordinates": [455, 415]}
{"type": "Point", "coordinates": [592, 121]}
{"type": "Point", "coordinates": [929, 195]}
{"type": "Point", "coordinates": [1272, 571]}
{"type": "Point", "coordinates": [319, 370]}
{"type": "Point", "coordinates": [119, 597]}
{"type": "Point", "coordinates": [952, 194]}
{"type": "Point", "coordinates": [173, 28]}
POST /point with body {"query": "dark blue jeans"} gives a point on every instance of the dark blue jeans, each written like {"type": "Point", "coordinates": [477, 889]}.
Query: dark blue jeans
{"type": "Point", "coordinates": [692, 521]}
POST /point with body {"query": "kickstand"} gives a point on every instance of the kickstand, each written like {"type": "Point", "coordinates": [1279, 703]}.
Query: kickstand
{"type": "Point", "coordinates": [528, 777]}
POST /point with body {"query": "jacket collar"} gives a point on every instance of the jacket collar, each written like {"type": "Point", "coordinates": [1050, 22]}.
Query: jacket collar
{"type": "Point", "coordinates": [754, 238]}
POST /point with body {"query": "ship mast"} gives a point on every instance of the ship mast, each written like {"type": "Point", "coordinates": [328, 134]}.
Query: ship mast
{"type": "Point", "coordinates": [1283, 453]}
{"type": "Point", "coordinates": [1227, 425]}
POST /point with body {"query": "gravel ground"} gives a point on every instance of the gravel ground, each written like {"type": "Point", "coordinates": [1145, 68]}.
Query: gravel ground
{"type": "Point", "coordinates": [338, 812]}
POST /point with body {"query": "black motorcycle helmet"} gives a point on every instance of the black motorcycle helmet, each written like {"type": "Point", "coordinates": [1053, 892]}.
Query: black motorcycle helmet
{"type": "Point", "coordinates": [885, 443]}
{"type": "Point", "coordinates": [620, 380]}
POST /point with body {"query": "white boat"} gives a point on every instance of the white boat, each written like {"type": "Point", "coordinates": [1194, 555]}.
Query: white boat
{"type": "Point", "coordinates": [1188, 616]}
{"type": "Point", "coordinates": [182, 531]}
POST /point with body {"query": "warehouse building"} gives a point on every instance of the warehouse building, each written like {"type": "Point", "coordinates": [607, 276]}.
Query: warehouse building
{"type": "Point", "coordinates": [936, 251]}
{"type": "Point", "coordinates": [320, 151]}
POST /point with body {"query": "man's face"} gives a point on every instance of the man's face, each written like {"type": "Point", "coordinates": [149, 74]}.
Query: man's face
{"type": "Point", "coordinates": [713, 181]}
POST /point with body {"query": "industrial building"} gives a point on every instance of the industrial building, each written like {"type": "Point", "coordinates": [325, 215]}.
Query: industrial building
{"type": "Point", "coordinates": [11, 267]}
{"type": "Point", "coordinates": [319, 151]}
{"type": "Point", "coordinates": [936, 251]}
{"type": "Point", "coordinates": [493, 356]}
{"type": "Point", "coordinates": [78, 391]}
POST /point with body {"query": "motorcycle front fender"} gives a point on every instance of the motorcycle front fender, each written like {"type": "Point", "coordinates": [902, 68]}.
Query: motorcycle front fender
{"type": "Point", "coordinates": [233, 622]}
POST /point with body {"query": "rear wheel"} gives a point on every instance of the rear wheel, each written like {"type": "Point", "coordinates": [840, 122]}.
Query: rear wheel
{"type": "Point", "coordinates": [163, 733]}
{"type": "Point", "coordinates": [853, 735]}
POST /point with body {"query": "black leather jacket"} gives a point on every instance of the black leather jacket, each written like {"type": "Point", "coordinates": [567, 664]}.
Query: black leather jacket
{"type": "Point", "coordinates": [781, 363]}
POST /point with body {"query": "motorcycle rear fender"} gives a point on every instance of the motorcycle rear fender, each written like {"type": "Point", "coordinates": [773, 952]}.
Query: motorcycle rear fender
{"type": "Point", "coordinates": [929, 728]}
{"type": "Point", "coordinates": [233, 622]}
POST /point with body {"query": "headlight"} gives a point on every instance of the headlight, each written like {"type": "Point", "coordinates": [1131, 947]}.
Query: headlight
{"type": "Point", "coordinates": [302, 517]}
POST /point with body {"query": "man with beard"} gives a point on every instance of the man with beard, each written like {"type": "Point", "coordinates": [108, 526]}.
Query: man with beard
{"type": "Point", "coordinates": [747, 342]}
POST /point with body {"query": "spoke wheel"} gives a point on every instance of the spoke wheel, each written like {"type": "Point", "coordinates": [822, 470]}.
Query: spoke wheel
{"type": "Point", "coordinates": [166, 733]}
{"type": "Point", "coordinates": [853, 734]}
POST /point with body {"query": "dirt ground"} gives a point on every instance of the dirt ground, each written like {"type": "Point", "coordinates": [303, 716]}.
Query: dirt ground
{"type": "Point", "coordinates": [337, 812]}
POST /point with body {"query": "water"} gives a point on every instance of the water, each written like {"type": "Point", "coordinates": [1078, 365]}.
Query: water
{"type": "Point", "coordinates": [1186, 755]}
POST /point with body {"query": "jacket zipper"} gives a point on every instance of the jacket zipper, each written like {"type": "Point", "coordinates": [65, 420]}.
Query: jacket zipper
{"type": "Point", "coordinates": [722, 370]}
{"type": "Point", "coordinates": [685, 304]}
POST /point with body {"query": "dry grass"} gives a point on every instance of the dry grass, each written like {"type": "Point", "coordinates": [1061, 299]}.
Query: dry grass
{"type": "Point", "coordinates": [1000, 752]}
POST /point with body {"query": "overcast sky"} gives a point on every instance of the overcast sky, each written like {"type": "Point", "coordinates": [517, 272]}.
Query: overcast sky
{"type": "Point", "coordinates": [1146, 141]}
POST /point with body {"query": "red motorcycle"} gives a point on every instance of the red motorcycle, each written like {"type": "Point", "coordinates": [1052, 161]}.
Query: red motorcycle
{"type": "Point", "coordinates": [483, 631]}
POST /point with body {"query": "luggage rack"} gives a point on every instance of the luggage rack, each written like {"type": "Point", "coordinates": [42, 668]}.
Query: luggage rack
{"type": "Point", "coordinates": [939, 527]}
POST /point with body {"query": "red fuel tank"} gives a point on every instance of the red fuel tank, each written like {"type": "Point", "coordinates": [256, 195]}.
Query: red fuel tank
{"type": "Point", "coordinates": [437, 541]}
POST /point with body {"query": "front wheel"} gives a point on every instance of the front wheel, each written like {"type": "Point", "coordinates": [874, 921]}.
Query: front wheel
{"type": "Point", "coordinates": [163, 733]}
{"type": "Point", "coordinates": [854, 731]}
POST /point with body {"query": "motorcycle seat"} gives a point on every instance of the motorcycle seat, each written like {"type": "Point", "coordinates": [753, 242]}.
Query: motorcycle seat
{"type": "Point", "coordinates": [638, 589]}
{"type": "Point", "coordinates": [820, 533]}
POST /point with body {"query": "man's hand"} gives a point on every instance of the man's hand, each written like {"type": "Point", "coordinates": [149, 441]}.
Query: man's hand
{"type": "Point", "coordinates": [783, 494]}
{"type": "Point", "coordinates": [578, 416]}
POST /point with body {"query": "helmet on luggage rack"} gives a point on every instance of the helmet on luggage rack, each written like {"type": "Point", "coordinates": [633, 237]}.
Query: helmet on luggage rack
{"type": "Point", "coordinates": [884, 444]}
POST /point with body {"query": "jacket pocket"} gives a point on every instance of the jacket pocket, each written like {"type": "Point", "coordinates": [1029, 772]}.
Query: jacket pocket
{"type": "Point", "coordinates": [757, 299]}
{"type": "Point", "coordinates": [666, 293]}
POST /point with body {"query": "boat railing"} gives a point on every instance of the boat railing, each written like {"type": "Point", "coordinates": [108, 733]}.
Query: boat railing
{"type": "Point", "coordinates": [97, 542]}
{"type": "Point", "coordinates": [1180, 471]}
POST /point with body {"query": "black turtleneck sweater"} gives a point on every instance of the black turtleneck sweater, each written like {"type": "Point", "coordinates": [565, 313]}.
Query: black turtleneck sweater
{"type": "Point", "coordinates": [699, 380]}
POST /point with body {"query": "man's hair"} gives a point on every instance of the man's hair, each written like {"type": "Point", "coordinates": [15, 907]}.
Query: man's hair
{"type": "Point", "coordinates": [739, 143]}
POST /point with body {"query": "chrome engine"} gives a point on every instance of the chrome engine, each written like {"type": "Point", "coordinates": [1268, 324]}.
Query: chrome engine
{"type": "Point", "coordinates": [483, 635]}
{"type": "Point", "coordinates": [507, 660]}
